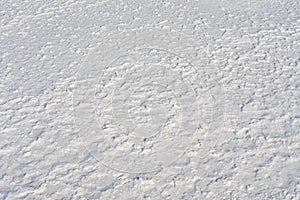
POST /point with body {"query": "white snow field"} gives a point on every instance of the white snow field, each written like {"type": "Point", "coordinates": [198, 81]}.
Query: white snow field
{"type": "Point", "coordinates": [164, 99]}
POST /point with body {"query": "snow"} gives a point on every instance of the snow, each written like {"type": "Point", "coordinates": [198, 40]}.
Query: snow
{"type": "Point", "coordinates": [149, 99]}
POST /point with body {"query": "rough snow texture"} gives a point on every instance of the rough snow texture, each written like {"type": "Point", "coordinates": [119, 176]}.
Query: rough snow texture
{"type": "Point", "coordinates": [149, 99]}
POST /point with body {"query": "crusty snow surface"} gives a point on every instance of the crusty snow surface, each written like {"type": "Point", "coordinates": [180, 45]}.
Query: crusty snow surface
{"type": "Point", "coordinates": [150, 99]}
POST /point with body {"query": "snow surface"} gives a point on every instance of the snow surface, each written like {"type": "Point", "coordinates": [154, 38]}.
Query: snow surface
{"type": "Point", "coordinates": [150, 99]}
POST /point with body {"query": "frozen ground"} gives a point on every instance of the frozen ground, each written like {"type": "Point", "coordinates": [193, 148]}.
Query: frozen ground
{"type": "Point", "coordinates": [149, 99]}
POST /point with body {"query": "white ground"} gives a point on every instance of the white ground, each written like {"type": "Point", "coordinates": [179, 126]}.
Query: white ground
{"type": "Point", "coordinates": [149, 99]}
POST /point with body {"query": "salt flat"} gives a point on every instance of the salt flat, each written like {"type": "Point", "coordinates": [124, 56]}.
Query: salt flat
{"type": "Point", "coordinates": [149, 99]}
